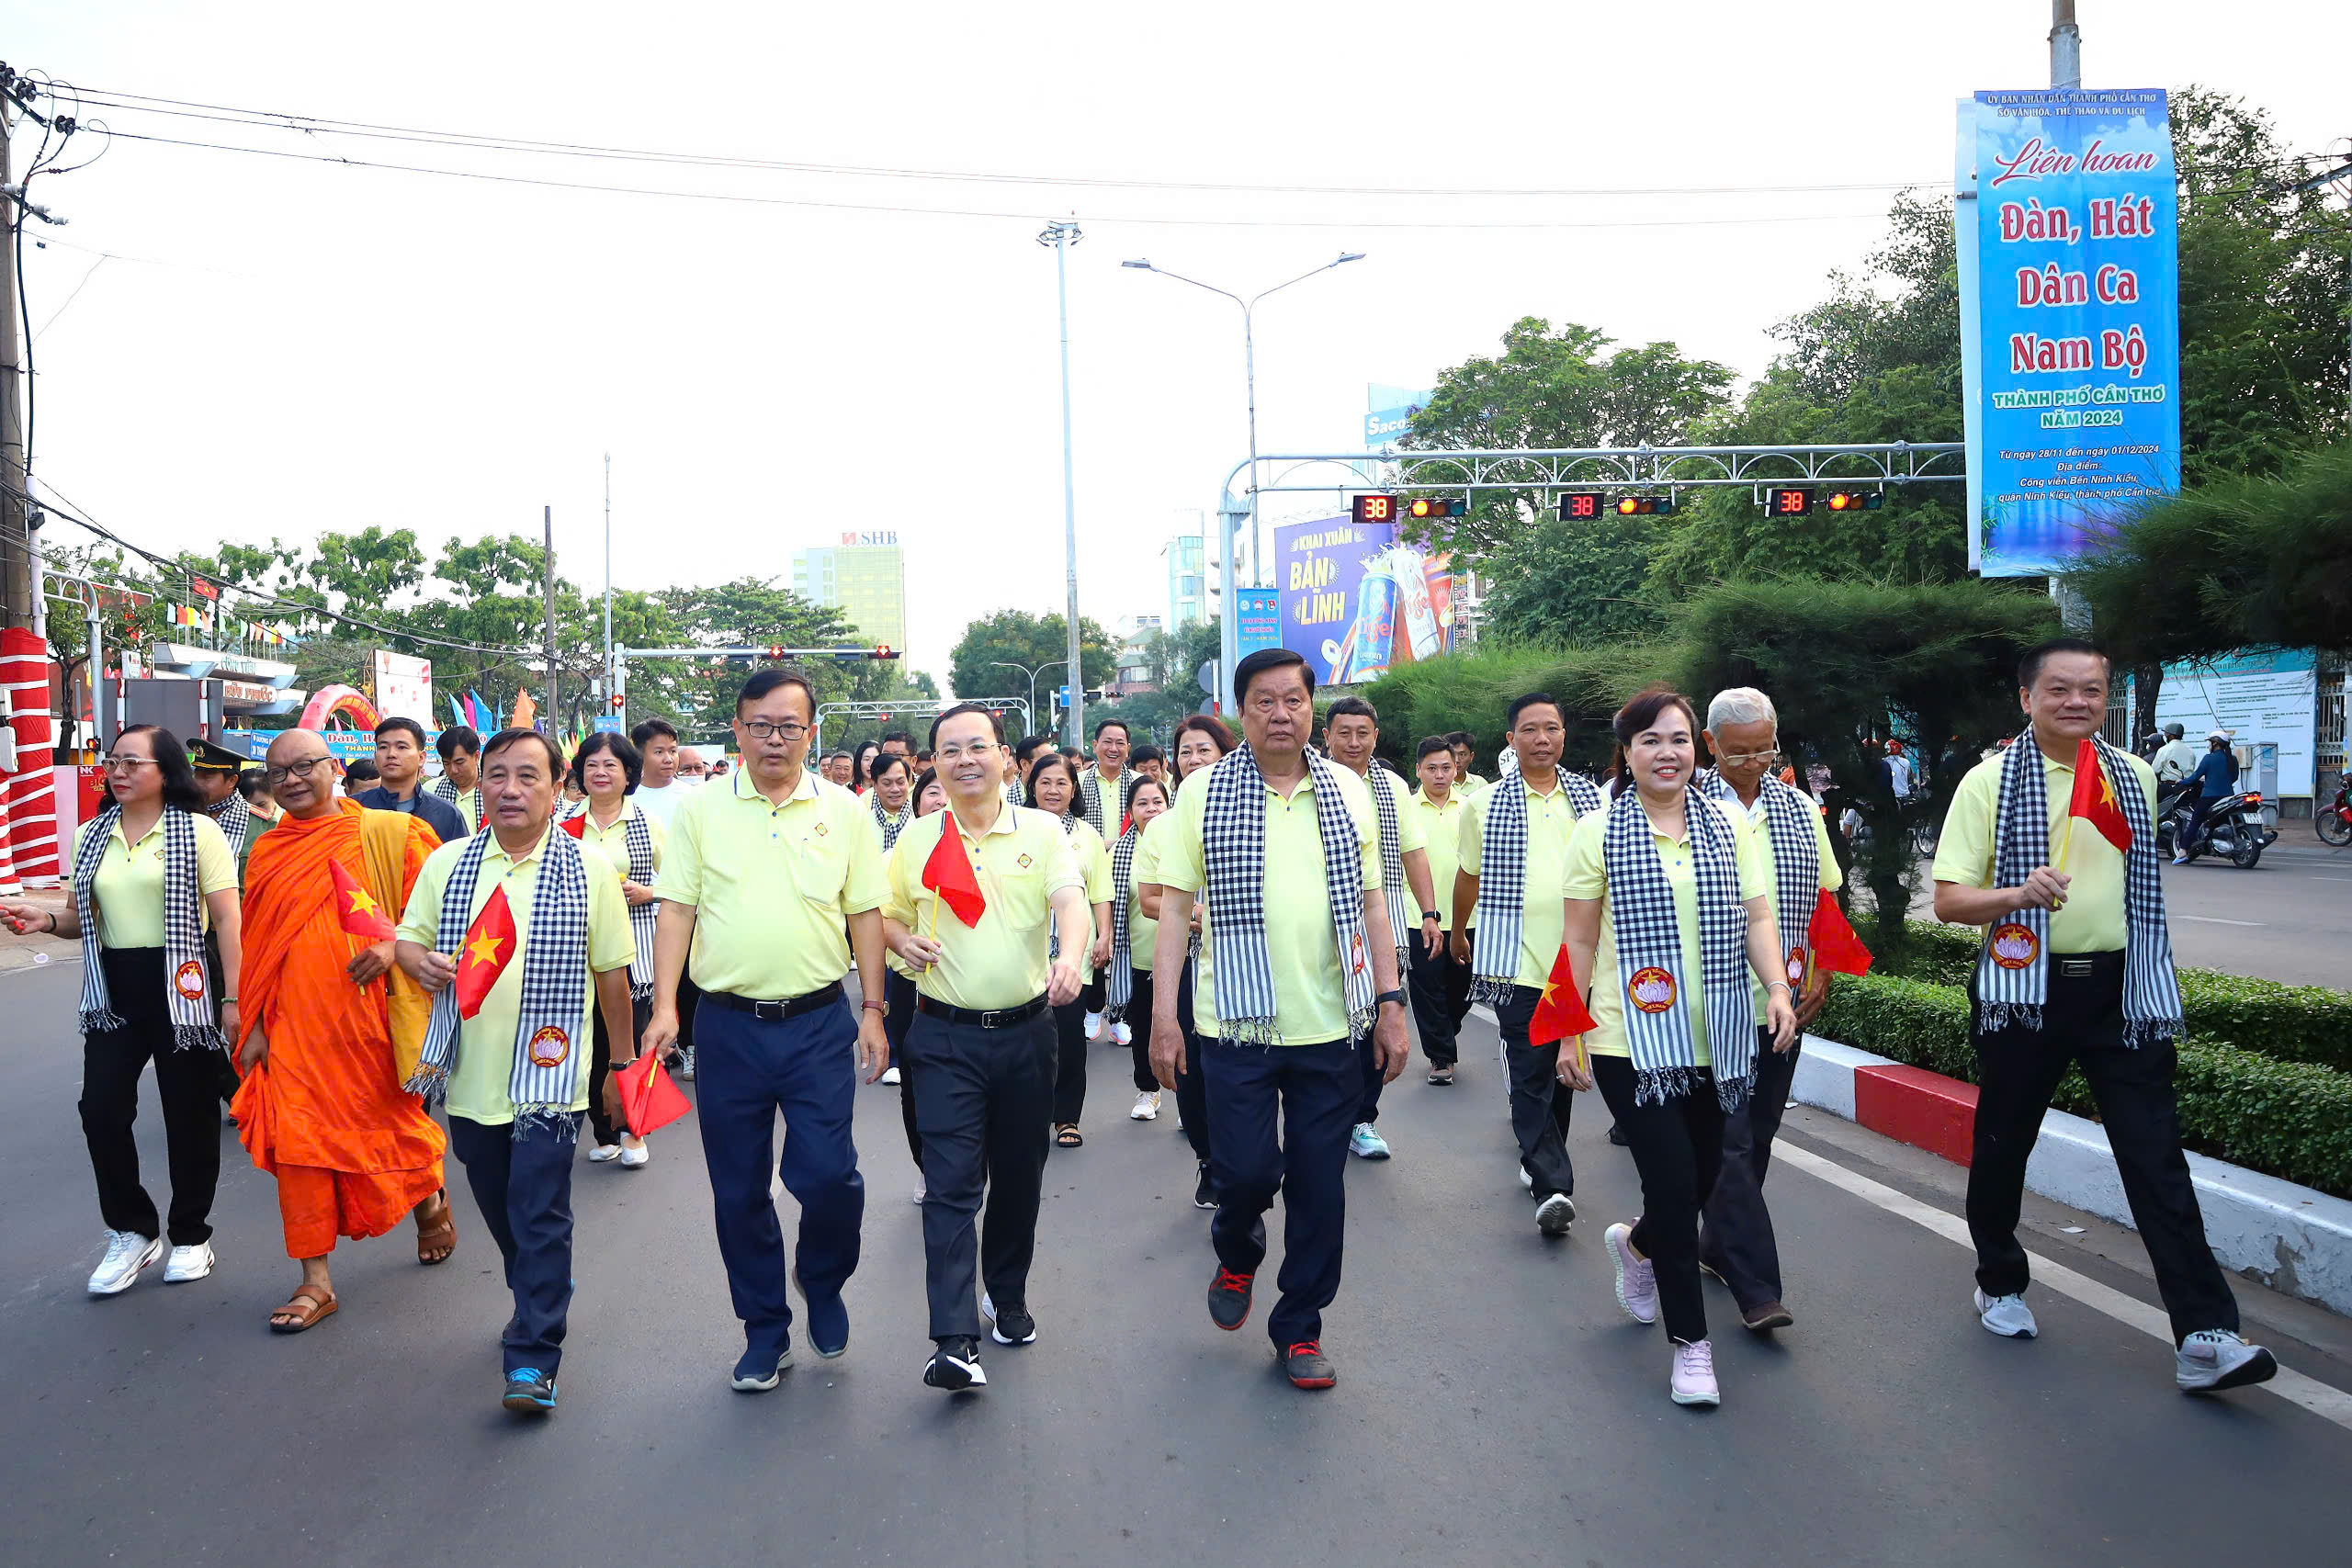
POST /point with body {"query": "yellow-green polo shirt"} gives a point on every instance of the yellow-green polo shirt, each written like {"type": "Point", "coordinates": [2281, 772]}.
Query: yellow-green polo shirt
{"type": "Point", "coordinates": [1831, 878]}
{"type": "Point", "coordinates": [1588, 878]}
{"type": "Point", "coordinates": [771, 886]}
{"type": "Point", "coordinates": [1142, 868]}
{"type": "Point", "coordinates": [1021, 862]}
{"type": "Point", "coordinates": [2092, 920]}
{"type": "Point", "coordinates": [129, 886]}
{"type": "Point", "coordinates": [612, 842]}
{"type": "Point", "coordinates": [1551, 822]}
{"type": "Point", "coordinates": [1441, 834]}
{"type": "Point", "coordinates": [1094, 860]}
{"type": "Point", "coordinates": [486, 1042]}
{"type": "Point", "coordinates": [1310, 996]}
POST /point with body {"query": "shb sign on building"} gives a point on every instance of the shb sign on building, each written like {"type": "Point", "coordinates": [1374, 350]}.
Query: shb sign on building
{"type": "Point", "coordinates": [2070, 319]}
{"type": "Point", "coordinates": [878, 539]}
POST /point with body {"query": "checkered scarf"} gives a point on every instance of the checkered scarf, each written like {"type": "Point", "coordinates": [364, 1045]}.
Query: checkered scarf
{"type": "Point", "coordinates": [1649, 937]}
{"type": "Point", "coordinates": [1233, 833]}
{"type": "Point", "coordinates": [1789, 817]}
{"type": "Point", "coordinates": [644, 920]}
{"type": "Point", "coordinates": [237, 819]}
{"type": "Point", "coordinates": [188, 978]}
{"type": "Point", "coordinates": [2011, 998]}
{"type": "Point", "coordinates": [891, 825]}
{"type": "Point", "coordinates": [1091, 806]}
{"type": "Point", "coordinates": [445, 790]}
{"type": "Point", "coordinates": [1402, 923]}
{"type": "Point", "coordinates": [1502, 881]}
{"type": "Point", "coordinates": [554, 937]}
{"type": "Point", "coordinates": [1120, 988]}
{"type": "Point", "coordinates": [1053, 926]}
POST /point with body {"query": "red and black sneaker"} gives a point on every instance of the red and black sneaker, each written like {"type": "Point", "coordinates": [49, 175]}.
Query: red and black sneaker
{"type": "Point", "coordinates": [1307, 1366]}
{"type": "Point", "coordinates": [1229, 1299]}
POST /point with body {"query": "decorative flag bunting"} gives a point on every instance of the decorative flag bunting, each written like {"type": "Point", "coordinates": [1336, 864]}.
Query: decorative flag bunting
{"type": "Point", "coordinates": [489, 945]}
{"type": "Point", "coordinates": [356, 909]}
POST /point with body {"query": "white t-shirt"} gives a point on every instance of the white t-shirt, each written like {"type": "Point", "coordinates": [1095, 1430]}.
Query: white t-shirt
{"type": "Point", "coordinates": [662, 803]}
{"type": "Point", "coordinates": [1899, 771]}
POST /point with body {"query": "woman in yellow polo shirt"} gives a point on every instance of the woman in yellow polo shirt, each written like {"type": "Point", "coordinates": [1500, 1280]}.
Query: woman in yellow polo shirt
{"type": "Point", "coordinates": [150, 871]}
{"type": "Point", "coordinates": [1053, 788]}
{"type": "Point", "coordinates": [1201, 742]}
{"type": "Point", "coordinates": [1147, 800]}
{"type": "Point", "coordinates": [1668, 912]}
{"type": "Point", "coordinates": [605, 770]}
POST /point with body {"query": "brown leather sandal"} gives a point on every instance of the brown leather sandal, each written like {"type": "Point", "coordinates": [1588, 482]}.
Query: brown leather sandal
{"type": "Point", "coordinates": [435, 1243]}
{"type": "Point", "coordinates": [303, 1309]}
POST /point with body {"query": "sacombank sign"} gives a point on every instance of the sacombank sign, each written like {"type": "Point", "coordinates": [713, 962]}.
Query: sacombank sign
{"type": "Point", "coordinates": [1390, 412]}
{"type": "Point", "coordinates": [879, 539]}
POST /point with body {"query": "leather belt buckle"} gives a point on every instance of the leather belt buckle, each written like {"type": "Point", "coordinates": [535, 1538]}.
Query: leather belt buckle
{"type": "Point", "coordinates": [769, 1013]}
{"type": "Point", "coordinates": [1000, 1018]}
{"type": "Point", "coordinates": [2074, 969]}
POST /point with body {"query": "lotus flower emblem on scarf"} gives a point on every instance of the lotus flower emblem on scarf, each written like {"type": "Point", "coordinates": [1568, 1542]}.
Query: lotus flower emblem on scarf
{"type": "Point", "coordinates": [1651, 989]}
{"type": "Point", "coordinates": [2015, 946]}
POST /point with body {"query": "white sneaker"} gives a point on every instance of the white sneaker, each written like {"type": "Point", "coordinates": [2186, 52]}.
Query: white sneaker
{"type": "Point", "coordinates": [1694, 1375]}
{"type": "Point", "coordinates": [1526, 1182]}
{"type": "Point", "coordinates": [1637, 1278]}
{"type": "Point", "coordinates": [917, 1197]}
{"type": "Point", "coordinates": [1364, 1142]}
{"type": "Point", "coordinates": [1122, 1032]}
{"type": "Point", "coordinates": [2008, 1317]}
{"type": "Point", "coordinates": [188, 1263]}
{"type": "Point", "coordinates": [127, 1253]}
{"type": "Point", "coordinates": [1556, 1214]}
{"type": "Point", "coordinates": [1178, 1117]}
{"type": "Point", "coordinates": [632, 1158]}
{"type": "Point", "coordinates": [604, 1152]}
{"type": "Point", "coordinates": [890, 1075]}
{"type": "Point", "coordinates": [2214, 1358]}
{"type": "Point", "coordinates": [1147, 1106]}
{"type": "Point", "coordinates": [1094, 1024]}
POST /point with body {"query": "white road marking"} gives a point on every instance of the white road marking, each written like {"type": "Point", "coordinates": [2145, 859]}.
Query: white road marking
{"type": "Point", "coordinates": [2310, 878]}
{"type": "Point", "coordinates": [2328, 1404]}
{"type": "Point", "coordinates": [2217, 921]}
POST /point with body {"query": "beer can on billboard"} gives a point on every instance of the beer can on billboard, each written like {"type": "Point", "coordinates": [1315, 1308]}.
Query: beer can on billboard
{"type": "Point", "coordinates": [1416, 615]}
{"type": "Point", "coordinates": [1375, 628]}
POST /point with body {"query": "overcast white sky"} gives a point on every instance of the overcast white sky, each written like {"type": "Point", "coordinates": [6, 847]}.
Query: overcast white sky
{"type": "Point", "coordinates": [300, 348]}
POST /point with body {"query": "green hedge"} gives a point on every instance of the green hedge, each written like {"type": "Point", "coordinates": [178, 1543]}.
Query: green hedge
{"type": "Point", "coordinates": [2286, 1118]}
{"type": "Point", "coordinates": [2289, 1024]}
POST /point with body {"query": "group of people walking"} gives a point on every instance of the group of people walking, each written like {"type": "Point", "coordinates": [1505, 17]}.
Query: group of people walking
{"type": "Point", "coordinates": [1256, 918]}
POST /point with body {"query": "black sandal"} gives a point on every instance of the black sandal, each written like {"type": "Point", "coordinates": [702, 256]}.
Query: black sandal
{"type": "Point", "coordinates": [1068, 1136]}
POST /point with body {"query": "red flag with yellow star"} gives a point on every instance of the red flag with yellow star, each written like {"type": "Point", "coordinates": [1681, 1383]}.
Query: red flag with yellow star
{"type": "Point", "coordinates": [490, 944]}
{"type": "Point", "coordinates": [2094, 800]}
{"type": "Point", "coordinates": [1560, 1012]}
{"type": "Point", "coordinates": [356, 909]}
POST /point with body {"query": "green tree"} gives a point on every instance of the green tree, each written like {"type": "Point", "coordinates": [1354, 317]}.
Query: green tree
{"type": "Point", "coordinates": [1574, 582]}
{"type": "Point", "coordinates": [1016, 636]}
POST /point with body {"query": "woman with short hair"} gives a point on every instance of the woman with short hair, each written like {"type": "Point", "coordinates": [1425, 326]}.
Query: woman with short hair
{"type": "Point", "coordinates": [1200, 742]}
{"type": "Point", "coordinates": [605, 772]}
{"type": "Point", "coordinates": [1053, 787]}
{"type": "Point", "coordinates": [1128, 984]}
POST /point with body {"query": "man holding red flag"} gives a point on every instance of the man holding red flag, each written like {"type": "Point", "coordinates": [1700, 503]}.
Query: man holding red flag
{"type": "Point", "coordinates": [2076, 968]}
{"type": "Point", "coordinates": [1736, 1241]}
{"type": "Point", "coordinates": [971, 889]}
{"type": "Point", "coordinates": [518, 935]}
{"type": "Point", "coordinates": [321, 1107]}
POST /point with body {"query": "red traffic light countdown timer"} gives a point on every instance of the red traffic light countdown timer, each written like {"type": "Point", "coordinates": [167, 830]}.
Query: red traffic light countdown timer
{"type": "Point", "coordinates": [1379, 509]}
{"type": "Point", "coordinates": [1586, 506]}
{"type": "Point", "coordinates": [1798, 502]}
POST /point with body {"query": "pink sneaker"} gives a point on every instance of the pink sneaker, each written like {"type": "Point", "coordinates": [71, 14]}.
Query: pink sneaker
{"type": "Point", "coordinates": [1694, 1375]}
{"type": "Point", "coordinates": [1637, 1277]}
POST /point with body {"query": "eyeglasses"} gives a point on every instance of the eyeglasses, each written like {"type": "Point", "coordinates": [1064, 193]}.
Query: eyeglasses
{"type": "Point", "coordinates": [119, 764]}
{"type": "Point", "coordinates": [952, 752]}
{"type": "Point", "coordinates": [761, 728]}
{"type": "Point", "coordinates": [302, 770]}
{"type": "Point", "coordinates": [1745, 758]}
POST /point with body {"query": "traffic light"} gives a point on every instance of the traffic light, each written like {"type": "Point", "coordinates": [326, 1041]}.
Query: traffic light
{"type": "Point", "coordinates": [1425, 507]}
{"type": "Point", "coordinates": [1853, 500]}
{"type": "Point", "coordinates": [1587, 506]}
{"type": "Point", "coordinates": [1789, 502]}
{"type": "Point", "coordinates": [618, 702]}
{"type": "Point", "coordinates": [1644, 505]}
{"type": "Point", "coordinates": [1582, 506]}
{"type": "Point", "coordinates": [1373, 507]}
{"type": "Point", "coordinates": [773, 651]}
{"type": "Point", "coordinates": [884, 651]}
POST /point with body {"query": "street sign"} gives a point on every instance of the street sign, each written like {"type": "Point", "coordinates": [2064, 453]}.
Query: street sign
{"type": "Point", "coordinates": [608, 723]}
{"type": "Point", "coordinates": [1260, 622]}
{"type": "Point", "coordinates": [1205, 677]}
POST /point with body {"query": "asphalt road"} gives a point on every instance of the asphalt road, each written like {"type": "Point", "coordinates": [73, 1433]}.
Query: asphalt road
{"type": "Point", "coordinates": [1494, 1407]}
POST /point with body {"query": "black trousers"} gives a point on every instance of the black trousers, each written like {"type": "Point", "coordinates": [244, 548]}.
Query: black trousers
{"type": "Point", "coordinates": [1677, 1148]}
{"type": "Point", "coordinates": [1192, 1089]}
{"type": "Point", "coordinates": [982, 1104]}
{"type": "Point", "coordinates": [1069, 1061]}
{"type": "Point", "coordinates": [898, 992]}
{"type": "Point", "coordinates": [1095, 995]}
{"type": "Point", "coordinates": [1735, 1238]}
{"type": "Point", "coordinates": [112, 1061]}
{"type": "Point", "coordinates": [1138, 1017]}
{"type": "Point", "coordinates": [1440, 988]}
{"type": "Point", "coordinates": [2017, 1071]}
{"type": "Point", "coordinates": [600, 1068]}
{"type": "Point", "coordinates": [1540, 1102]}
{"type": "Point", "coordinates": [522, 1187]}
{"type": "Point", "coordinates": [1309, 1093]}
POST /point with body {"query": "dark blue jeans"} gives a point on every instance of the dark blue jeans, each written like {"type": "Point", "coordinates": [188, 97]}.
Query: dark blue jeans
{"type": "Point", "coordinates": [522, 1187]}
{"type": "Point", "coordinates": [1313, 1093]}
{"type": "Point", "coordinates": [747, 1069]}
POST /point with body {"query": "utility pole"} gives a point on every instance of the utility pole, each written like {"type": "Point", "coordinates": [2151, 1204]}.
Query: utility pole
{"type": "Point", "coordinates": [610, 685]}
{"type": "Point", "coordinates": [2065, 46]}
{"type": "Point", "coordinates": [546, 526]}
{"type": "Point", "coordinates": [1061, 236]}
{"type": "Point", "coordinates": [17, 591]}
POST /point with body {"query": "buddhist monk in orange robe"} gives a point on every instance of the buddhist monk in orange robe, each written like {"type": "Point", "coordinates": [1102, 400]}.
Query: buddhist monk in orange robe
{"type": "Point", "coordinates": [321, 1107]}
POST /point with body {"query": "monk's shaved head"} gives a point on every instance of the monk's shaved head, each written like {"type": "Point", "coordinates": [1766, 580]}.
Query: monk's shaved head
{"type": "Point", "coordinates": [293, 745]}
{"type": "Point", "coordinates": [310, 793]}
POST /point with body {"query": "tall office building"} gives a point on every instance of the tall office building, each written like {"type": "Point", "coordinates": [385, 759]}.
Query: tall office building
{"type": "Point", "coordinates": [864, 576]}
{"type": "Point", "coordinates": [1188, 598]}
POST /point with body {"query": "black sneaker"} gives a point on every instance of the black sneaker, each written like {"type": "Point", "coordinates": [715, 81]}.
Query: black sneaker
{"type": "Point", "coordinates": [1307, 1366]}
{"type": "Point", "coordinates": [956, 1365]}
{"type": "Point", "coordinates": [530, 1392]}
{"type": "Point", "coordinates": [1011, 1326]}
{"type": "Point", "coordinates": [1204, 1189]}
{"type": "Point", "coordinates": [1617, 1135]}
{"type": "Point", "coordinates": [761, 1368]}
{"type": "Point", "coordinates": [1229, 1299]}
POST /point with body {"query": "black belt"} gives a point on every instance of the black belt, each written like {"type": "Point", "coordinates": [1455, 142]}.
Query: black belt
{"type": "Point", "coordinates": [776, 1012]}
{"type": "Point", "coordinates": [2087, 965]}
{"type": "Point", "coordinates": [981, 1018]}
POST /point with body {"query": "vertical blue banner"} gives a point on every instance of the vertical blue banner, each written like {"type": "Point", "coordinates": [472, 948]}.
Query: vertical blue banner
{"type": "Point", "coordinates": [1259, 625]}
{"type": "Point", "coordinates": [2074, 394]}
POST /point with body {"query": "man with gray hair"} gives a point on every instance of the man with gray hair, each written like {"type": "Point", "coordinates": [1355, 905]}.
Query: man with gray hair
{"type": "Point", "coordinates": [1736, 1242]}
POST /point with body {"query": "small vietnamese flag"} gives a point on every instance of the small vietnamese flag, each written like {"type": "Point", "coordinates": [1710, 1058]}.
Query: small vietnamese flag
{"type": "Point", "coordinates": [356, 909]}
{"type": "Point", "coordinates": [2094, 800]}
{"type": "Point", "coordinates": [576, 825]}
{"type": "Point", "coordinates": [1835, 946]}
{"type": "Point", "coordinates": [1560, 1012]}
{"type": "Point", "coordinates": [948, 873]}
{"type": "Point", "coordinates": [490, 944]}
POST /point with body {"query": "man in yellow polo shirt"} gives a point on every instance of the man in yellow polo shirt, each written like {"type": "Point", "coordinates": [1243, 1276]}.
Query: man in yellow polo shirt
{"type": "Point", "coordinates": [763, 873]}
{"type": "Point", "coordinates": [1299, 963]}
{"type": "Point", "coordinates": [981, 1052]}
{"type": "Point", "coordinates": [2077, 967]}
{"type": "Point", "coordinates": [516, 1074]}
{"type": "Point", "coordinates": [1440, 983]}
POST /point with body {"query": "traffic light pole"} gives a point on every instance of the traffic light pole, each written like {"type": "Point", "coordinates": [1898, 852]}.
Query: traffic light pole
{"type": "Point", "coordinates": [1061, 236]}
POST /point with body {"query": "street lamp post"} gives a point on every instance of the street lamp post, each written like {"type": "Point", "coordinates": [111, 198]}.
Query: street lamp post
{"type": "Point", "coordinates": [1061, 236]}
{"type": "Point", "coordinates": [1228, 637]}
{"type": "Point", "coordinates": [1032, 674]}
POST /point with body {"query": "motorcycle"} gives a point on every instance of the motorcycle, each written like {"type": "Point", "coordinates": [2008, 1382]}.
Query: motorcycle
{"type": "Point", "coordinates": [2334, 818]}
{"type": "Point", "coordinates": [2234, 828]}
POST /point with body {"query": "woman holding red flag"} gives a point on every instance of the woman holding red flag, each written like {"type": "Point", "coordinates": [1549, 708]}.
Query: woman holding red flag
{"type": "Point", "coordinates": [606, 770]}
{"type": "Point", "coordinates": [1667, 911]}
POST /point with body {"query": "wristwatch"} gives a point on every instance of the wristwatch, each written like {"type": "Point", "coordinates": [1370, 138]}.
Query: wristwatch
{"type": "Point", "coordinates": [1432, 915]}
{"type": "Point", "coordinates": [1396, 995]}
{"type": "Point", "coordinates": [882, 1007]}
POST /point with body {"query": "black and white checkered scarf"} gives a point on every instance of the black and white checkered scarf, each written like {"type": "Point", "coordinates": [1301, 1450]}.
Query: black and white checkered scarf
{"type": "Point", "coordinates": [891, 825]}
{"type": "Point", "coordinates": [1402, 922]}
{"type": "Point", "coordinates": [188, 978]}
{"type": "Point", "coordinates": [548, 1063]}
{"type": "Point", "coordinates": [446, 790]}
{"type": "Point", "coordinates": [237, 819]}
{"type": "Point", "coordinates": [2013, 971]}
{"type": "Point", "coordinates": [1233, 833]}
{"type": "Point", "coordinates": [1119, 989]}
{"type": "Point", "coordinates": [1070, 820]}
{"type": "Point", "coordinates": [1091, 802]}
{"type": "Point", "coordinates": [1649, 937]}
{"type": "Point", "coordinates": [1502, 881]}
{"type": "Point", "coordinates": [644, 920]}
{"type": "Point", "coordinates": [1789, 817]}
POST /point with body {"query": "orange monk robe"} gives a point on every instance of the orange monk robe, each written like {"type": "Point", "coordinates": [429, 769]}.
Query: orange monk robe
{"type": "Point", "coordinates": [353, 1153]}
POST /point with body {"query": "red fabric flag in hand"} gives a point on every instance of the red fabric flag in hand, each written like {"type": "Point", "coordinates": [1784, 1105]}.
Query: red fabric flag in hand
{"type": "Point", "coordinates": [949, 874]}
{"type": "Point", "coordinates": [356, 909]}
{"type": "Point", "coordinates": [1835, 946]}
{"type": "Point", "coordinates": [1560, 1012]}
{"type": "Point", "coordinates": [2094, 798]}
{"type": "Point", "coordinates": [649, 1098]}
{"type": "Point", "coordinates": [489, 945]}
{"type": "Point", "coordinates": [576, 825]}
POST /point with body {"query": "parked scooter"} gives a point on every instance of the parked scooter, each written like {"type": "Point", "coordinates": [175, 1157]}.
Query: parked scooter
{"type": "Point", "coordinates": [2332, 820]}
{"type": "Point", "coordinates": [2234, 828]}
